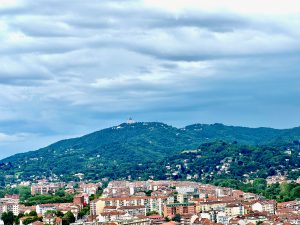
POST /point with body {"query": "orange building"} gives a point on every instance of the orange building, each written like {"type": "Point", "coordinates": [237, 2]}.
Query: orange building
{"type": "Point", "coordinates": [78, 200]}
{"type": "Point", "coordinates": [171, 210]}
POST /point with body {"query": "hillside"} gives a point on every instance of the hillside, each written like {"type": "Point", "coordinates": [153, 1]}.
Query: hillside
{"type": "Point", "coordinates": [135, 149]}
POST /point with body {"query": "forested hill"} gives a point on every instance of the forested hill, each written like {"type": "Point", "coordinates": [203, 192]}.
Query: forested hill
{"type": "Point", "coordinates": [132, 149]}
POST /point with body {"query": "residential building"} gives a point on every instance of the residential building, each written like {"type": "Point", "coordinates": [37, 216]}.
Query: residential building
{"type": "Point", "coordinates": [265, 206]}
{"type": "Point", "coordinates": [46, 188]}
{"type": "Point", "coordinates": [136, 210]}
{"type": "Point", "coordinates": [151, 203]}
{"type": "Point", "coordinates": [171, 210]}
{"type": "Point", "coordinates": [42, 209]}
{"type": "Point", "coordinates": [234, 210]}
{"type": "Point", "coordinates": [52, 219]}
{"type": "Point", "coordinates": [10, 204]}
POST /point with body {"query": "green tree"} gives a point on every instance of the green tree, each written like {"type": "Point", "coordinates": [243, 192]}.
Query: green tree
{"type": "Point", "coordinates": [7, 218]}
{"type": "Point", "coordinates": [148, 193]}
{"type": "Point", "coordinates": [295, 193]}
{"type": "Point", "coordinates": [84, 211]}
{"type": "Point", "coordinates": [152, 213]}
{"type": "Point", "coordinates": [32, 213]}
{"type": "Point", "coordinates": [68, 218]}
{"type": "Point", "coordinates": [259, 185]}
{"type": "Point", "coordinates": [92, 197]}
{"type": "Point", "coordinates": [177, 218]}
{"type": "Point", "coordinates": [24, 193]}
{"type": "Point", "coordinates": [60, 192]}
{"type": "Point", "coordinates": [32, 219]}
{"type": "Point", "coordinates": [17, 218]}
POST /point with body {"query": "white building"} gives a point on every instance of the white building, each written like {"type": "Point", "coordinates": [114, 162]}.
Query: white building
{"type": "Point", "coordinates": [264, 206]}
{"type": "Point", "coordinates": [42, 209]}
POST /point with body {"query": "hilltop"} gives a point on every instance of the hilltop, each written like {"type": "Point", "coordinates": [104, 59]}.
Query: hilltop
{"type": "Point", "coordinates": [138, 149]}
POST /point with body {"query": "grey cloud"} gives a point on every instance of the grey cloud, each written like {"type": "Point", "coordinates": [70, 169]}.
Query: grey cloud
{"type": "Point", "coordinates": [71, 67]}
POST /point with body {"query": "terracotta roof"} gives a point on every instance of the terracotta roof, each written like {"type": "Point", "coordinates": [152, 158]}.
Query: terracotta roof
{"type": "Point", "coordinates": [169, 223]}
{"type": "Point", "coordinates": [205, 221]}
{"type": "Point", "coordinates": [25, 217]}
{"type": "Point", "coordinates": [132, 198]}
{"type": "Point", "coordinates": [37, 223]}
{"type": "Point", "coordinates": [132, 207]}
{"type": "Point", "coordinates": [153, 217]}
{"type": "Point", "coordinates": [58, 219]}
{"type": "Point", "coordinates": [113, 213]}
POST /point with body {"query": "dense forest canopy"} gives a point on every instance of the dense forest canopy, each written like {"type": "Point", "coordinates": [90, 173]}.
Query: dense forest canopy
{"type": "Point", "coordinates": [199, 152]}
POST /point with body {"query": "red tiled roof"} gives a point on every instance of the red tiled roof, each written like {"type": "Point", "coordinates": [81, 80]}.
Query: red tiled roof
{"type": "Point", "coordinates": [37, 223]}
{"type": "Point", "coordinates": [169, 223]}
{"type": "Point", "coordinates": [132, 207]}
{"type": "Point", "coordinates": [113, 213]}
{"type": "Point", "coordinates": [132, 198]}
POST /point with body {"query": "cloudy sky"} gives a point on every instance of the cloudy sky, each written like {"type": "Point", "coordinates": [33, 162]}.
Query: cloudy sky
{"type": "Point", "coordinates": [71, 67]}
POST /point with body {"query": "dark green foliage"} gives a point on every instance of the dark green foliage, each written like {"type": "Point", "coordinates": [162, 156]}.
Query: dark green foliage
{"type": "Point", "coordinates": [101, 154]}
{"type": "Point", "coordinates": [280, 192]}
{"type": "Point", "coordinates": [177, 218]}
{"type": "Point", "coordinates": [32, 219]}
{"type": "Point", "coordinates": [148, 193]}
{"type": "Point", "coordinates": [143, 150]}
{"type": "Point", "coordinates": [32, 213]}
{"type": "Point", "coordinates": [152, 213]}
{"type": "Point", "coordinates": [295, 192]}
{"type": "Point", "coordinates": [45, 199]}
{"type": "Point", "coordinates": [68, 218]}
{"type": "Point", "coordinates": [60, 192]}
{"type": "Point", "coordinates": [7, 218]}
{"type": "Point", "coordinates": [92, 197]}
{"type": "Point", "coordinates": [241, 162]}
{"type": "Point", "coordinates": [84, 211]}
{"type": "Point", "coordinates": [17, 218]}
{"type": "Point", "coordinates": [167, 219]}
{"type": "Point", "coordinates": [22, 191]}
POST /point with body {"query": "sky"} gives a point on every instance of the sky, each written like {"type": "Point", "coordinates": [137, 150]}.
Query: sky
{"type": "Point", "coordinates": [71, 67]}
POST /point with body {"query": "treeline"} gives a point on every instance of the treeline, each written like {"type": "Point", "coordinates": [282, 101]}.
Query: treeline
{"type": "Point", "coordinates": [48, 198]}
{"type": "Point", "coordinates": [9, 218]}
{"type": "Point", "coordinates": [279, 192]}
{"type": "Point", "coordinates": [23, 191]}
{"type": "Point", "coordinates": [27, 199]}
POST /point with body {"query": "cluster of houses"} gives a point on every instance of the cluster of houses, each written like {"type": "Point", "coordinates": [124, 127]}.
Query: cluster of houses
{"type": "Point", "coordinates": [45, 187]}
{"type": "Point", "coordinates": [158, 203]}
{"type": "Point", "coordinates": [82, 191]}
{"type": "Point", "coordinates": [280, 179]}
{"type": "Point", "coordinates": [186, 203]}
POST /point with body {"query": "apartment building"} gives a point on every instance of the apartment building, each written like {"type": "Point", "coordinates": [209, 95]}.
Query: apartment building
{"type": "Point", "coordinates": [234, 210]}
{"type": "Point", "coordinates": [46, 188]}
{"type": "Point", "coordinates": [151, 203]}
{"type": "Point", "coordinates": [9, 205]}
{"type": "Point", "coordinates": [171, 210]}
{"type": "Point", "coordinates": [265, 206]}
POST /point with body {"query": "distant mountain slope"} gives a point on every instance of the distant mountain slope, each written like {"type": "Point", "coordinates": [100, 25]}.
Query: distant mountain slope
{"type": "Point", "coordinates": [128, 149]}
